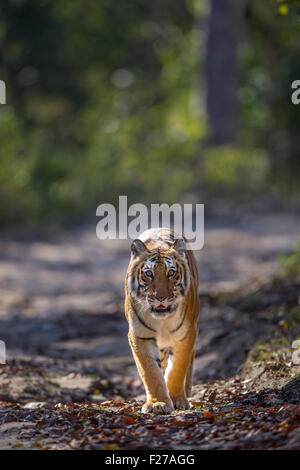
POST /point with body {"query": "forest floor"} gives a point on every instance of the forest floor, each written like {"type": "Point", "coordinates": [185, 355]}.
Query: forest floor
{"type": "Point", "coordinates": [70, 381]}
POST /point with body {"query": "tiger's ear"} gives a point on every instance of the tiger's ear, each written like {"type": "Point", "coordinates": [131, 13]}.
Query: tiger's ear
{"type": "Point", "coordinates": [138, 247]}
{"type": "Point", "coordinates": [179, 246]}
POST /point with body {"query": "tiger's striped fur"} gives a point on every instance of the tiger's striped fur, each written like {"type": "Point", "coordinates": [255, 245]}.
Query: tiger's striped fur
{"type": "Point", "coordinates": [162, 308]}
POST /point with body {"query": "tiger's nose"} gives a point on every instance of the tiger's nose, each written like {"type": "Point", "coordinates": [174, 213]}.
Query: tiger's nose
{"type": "Point", "coordinates": [161, 298]}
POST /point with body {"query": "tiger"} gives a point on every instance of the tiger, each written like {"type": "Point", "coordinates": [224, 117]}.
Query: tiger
{"type": "Point", "coordinates": [162, 308]}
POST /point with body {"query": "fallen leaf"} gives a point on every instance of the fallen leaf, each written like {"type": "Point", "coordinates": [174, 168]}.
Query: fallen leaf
{"type": "Point", "coordinates": [212, 396]}
{"type": "Point", "coordinates": [179, 423]}
{"type": "Point", "coordinates": [237, 410]}
{"type": "Point", "coordinates": [129, 420]}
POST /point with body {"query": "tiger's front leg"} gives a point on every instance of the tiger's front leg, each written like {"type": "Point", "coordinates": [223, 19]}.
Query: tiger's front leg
{"type": "Point", "coordinates": [147, 358]}
{"type": "Point", "coordinates": [178, 369]}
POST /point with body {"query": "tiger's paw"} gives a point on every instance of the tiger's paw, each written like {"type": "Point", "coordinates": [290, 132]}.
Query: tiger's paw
{"type": "Point", "coordinates": [181, 403]}
{"type": "Point", "coordinates": [158, 407]}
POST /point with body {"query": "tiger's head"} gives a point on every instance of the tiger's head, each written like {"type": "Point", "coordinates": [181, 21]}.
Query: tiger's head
{"type": "Point", "coordinates": [159, 279]}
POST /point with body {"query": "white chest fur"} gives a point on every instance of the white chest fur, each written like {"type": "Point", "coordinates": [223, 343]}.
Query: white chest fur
{"type": "Point", "coordinates": [167, 331]}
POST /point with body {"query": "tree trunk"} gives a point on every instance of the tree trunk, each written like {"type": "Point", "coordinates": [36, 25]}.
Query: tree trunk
{"type": "Point", "coordinates": [224, 32]}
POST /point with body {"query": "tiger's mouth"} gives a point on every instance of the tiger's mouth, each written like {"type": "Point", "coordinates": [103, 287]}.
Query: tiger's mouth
{"type": "Point", "coordinates": [161, 309]}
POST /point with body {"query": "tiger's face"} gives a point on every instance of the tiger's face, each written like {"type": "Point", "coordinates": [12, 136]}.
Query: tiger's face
{"type": "Point", "coordinates": [159, 279]}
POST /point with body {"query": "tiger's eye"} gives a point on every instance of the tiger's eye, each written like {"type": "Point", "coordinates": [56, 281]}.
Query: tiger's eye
{"type": "Point", "coordinates": [171, 272]}
{"type": "Point", "coordinates": [148, 273]}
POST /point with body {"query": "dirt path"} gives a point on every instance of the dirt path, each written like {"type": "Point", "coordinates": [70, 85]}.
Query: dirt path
{"type": "Point", "coordinates": [61, 315]}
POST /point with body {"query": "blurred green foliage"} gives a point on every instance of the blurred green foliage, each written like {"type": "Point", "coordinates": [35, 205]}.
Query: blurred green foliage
{"type": "Point", "coordinates": [231, 168]}
{"type": "Point", "coordinates": [106, 98]}
{"type": "Point", "coordinates": [291, 263]}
